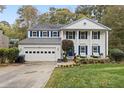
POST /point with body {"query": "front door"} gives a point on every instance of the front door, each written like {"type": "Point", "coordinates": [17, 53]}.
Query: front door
{"type": "Point", "coordinates": [70, 52]}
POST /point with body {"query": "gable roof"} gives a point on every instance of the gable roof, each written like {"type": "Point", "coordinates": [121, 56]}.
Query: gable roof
{"type": "Point", "coordinates": [90, 24]}
{"type": "Point", "coordinates": [41, 41]}
{"type": "Point", "coordinates": [46, 27]}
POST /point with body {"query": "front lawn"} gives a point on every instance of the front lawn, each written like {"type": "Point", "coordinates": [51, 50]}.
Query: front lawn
{"type": "Point", "coordinates": [88, 76]}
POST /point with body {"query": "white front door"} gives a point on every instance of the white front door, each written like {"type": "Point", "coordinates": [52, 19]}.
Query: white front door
{"type": "Point", "coordinates": [40, 54]}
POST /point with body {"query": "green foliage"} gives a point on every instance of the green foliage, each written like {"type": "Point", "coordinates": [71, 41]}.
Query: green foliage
{"type": "Point", "coordinates": [59, 16]}
{"type": "Point", "coordinates": [91, 60]}
{"type": "Point", "coordinates": [3, 55]}
{"type": "Point", "coordinates": [8, 54]}
{"type": "Point", "coordinates": [28, 15]}
{"type": "Point", "coordinates": [67, 44]}
{"type": "Point", "coordinates": [92, 11]}
{"type": "Point", "coordinates": [88, 76]}
{"type": "Point", "coordinates": [117, 54]}
{"type": "Point", "coordinates": [12, 54]}
{"type": "Point", "coordinates": [113, 18]}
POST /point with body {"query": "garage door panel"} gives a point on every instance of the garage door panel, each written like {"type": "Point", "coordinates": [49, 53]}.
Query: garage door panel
{"type": "Point", "coordinates": [40, 54]}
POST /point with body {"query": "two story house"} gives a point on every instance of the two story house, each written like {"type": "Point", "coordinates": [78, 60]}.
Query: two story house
{"type": "Point", "coordinates": [44, 41]}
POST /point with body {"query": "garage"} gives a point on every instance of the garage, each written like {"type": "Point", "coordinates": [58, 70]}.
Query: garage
{"type": "Point", "coordinates": [40, 49]}
{"type": "Point", "coordinates": [40, 54]}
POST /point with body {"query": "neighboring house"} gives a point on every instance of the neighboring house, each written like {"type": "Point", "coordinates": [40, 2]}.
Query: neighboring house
{"type": "Point", "coordinates": [44, 41]}
{"type": "Point", "coordinates": [4, 40]}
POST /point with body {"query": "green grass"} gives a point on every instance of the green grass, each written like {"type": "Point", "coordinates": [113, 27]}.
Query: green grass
{"type": "Point", "coordinates": [88, 76]}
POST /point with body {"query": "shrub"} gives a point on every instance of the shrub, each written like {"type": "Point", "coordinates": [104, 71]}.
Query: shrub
{"type": "Point", "coordinates": [3, 55]}
{"type": "Point", "coordinates": [91, 61]}
{"type": "Point", "coordinates": [12, 54]}
{"type": "Point", "coordinates": [8, 54]}
{"type": "Point", "coordinates": [116, 54]}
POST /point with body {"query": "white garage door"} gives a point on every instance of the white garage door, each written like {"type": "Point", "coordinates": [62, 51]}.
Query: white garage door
{"type": "Point", "coordinates": [40, 54]}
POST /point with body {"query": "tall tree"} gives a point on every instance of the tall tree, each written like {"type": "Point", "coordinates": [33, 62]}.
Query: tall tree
{"type": "Point", "coordinates": [92, 11]}
{"type": "Point", "coordinates": [59, 16]}
{"type": "Point", "coordinates": [28, 15]}
{"type": "Point", "coordinates": [114, 19]}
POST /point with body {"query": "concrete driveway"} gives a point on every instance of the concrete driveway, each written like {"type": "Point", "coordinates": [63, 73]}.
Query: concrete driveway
{"type": "Point", "coordinates": [28, 75]}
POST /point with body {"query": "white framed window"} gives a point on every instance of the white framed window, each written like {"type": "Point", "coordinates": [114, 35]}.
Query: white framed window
{"type": "Point", "coordinates": [70, 35]}
{"type": "Point", "coordinates": [96, 35]}
{"type": "Point", "coordinates": [95, 49]}
{"type": "Point", "coordinates": [54, 33]}
{"type": "Point", "coordinates": [45, 34]}
{"type": "Point", "coordinates": [83, 35]}
{"type": "Point", "coordinates": [35, 33]}
{"type": "Point", "coordinates": [83, 49]}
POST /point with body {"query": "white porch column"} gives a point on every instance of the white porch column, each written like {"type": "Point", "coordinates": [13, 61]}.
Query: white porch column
{"type": "Point", "coordinates": [106, 43]}
{"type": "Point", "coordinates": [61, 35]}
{"type": "Point", "coordinates": [28, 34]}
{"type": "Point", "coordinates": [77, 42]}
{"type": "Point", "coordinates": [90, 44]}
{"type": "Point", "coordinates": [50, 33]}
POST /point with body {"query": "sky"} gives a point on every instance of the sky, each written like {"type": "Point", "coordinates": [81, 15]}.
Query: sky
{"type": "Point", "coordinates": [10, 13]}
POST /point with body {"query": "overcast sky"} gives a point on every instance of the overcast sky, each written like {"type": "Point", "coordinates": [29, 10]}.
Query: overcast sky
{"type": "Point", "coordinates": [10, 13]}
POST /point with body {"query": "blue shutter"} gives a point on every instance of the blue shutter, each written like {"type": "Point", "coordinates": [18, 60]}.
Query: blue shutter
{"type": "Point", "coordinates": [86, 35]}
{"type": "Point", "coordinates": [58, 33]}
{"type": "Point", "coordinates": [73, 34]}
{"type": "Point", "coordinates": [92, 50]}
{"type": "Point", "coordinates": [99, 35]}
{"type": "Point", "coordinates": [79, 35]}
{"type": "Point", "coordinates": [99, 49]}
{"type": "Point", "coordinates": [30, 33]}
{"type": "Point", "coordinates": [51, 33]}
{"type": "Point", "coordinates": [37, 33]}
{"type": "Point", "coordinates": [40, 33]}
{"type": "Point", "coordinates": [86, 50]}
{"type": "Point", "coordinates": [79, 50]}
{"type": "Point", "coordinates": [92, 35]}
{"type": "Point", "coordinates": [48, 33]}
{"type": "Point", "coordinates": [66, 35]}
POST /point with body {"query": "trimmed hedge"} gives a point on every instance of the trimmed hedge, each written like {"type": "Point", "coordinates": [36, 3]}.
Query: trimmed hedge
{"type": "Point", "coordinates": [8, 55]}
{"type": "Point", "coordinates": [91, 60]}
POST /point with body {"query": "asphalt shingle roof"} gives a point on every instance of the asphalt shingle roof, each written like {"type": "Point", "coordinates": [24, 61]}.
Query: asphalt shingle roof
{"type": "Point", "coordinates": [41, 41]}
{"type": "Point", "coordinates": [46, 27]}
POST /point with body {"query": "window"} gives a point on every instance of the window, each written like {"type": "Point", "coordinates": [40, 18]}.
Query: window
{"type": "Point", "coordinates": [45, 52]}
{"type": "Point", "coordinates": [30, 52]}
{"type": "Point", "coordinates": [96, 49]}
{"type": "Point", "coordinates": [38, 52]}
{"type": "Point", "coordinates": [49, 52]}
{"type": "Point", "coordinates": [55, 33]}
{"type": "Point", "coordinates": [34, 52]}
{"type": "Point", "coordinates": [83, 49]}
{"type": "Point", "coordinates": [34, 33]}
{"type": "Point", "coordinates": [41, 52]}
{"type": "Point", "coordinates": [53, 52]}
{"type": "Point", "coordinates": [95, 35]}
{"type": "Point", "coordinates": [26, 52]}
{"type": "Point", "coordinates": [83, 35]}
{"type": "Point", "coordinates": [45, 34]}
{"type": "Point", "coordinates": [70, 35]}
